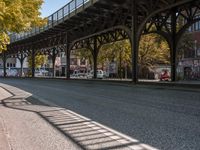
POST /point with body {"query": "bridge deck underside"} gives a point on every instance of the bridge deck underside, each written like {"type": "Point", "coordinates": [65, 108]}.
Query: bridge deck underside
{"type": "Point", "coordinates": [97, 17]}
{"type": "Point", "coordinates": [101, 21]}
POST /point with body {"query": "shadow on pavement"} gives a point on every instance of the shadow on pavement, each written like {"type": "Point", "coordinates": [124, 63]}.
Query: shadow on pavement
{"type": "Point", "coordinates": [87, 134]}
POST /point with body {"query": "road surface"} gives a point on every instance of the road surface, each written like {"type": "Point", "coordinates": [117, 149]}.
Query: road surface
{"type": "Point", "coordinates": [163, 118]}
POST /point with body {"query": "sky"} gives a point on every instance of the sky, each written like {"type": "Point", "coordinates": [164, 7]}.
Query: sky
{"type": "Point", "coordinates": [51, 6]}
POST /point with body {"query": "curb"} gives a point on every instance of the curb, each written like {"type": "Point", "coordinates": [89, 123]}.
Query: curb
{"type": "Point", "coordinates": [162, 85]}
{"type": "Point", "coordinates": [44, 101]}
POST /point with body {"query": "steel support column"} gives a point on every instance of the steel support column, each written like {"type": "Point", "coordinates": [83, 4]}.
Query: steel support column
{"type": "Point", "coordinates": [53, 57]}
{"type": "Point", "coordinates": [67, 53]}
{"type": "Point", "coordinates": [21, 59]}
{"type": "Point", "coordinates": [173, 46]}
{"type": "Point", "coordinates": [33, 63]}
{"type": "Point", "coordinates": [134, 42]}
{"type": "Point", "coordinates": [67, 48]}
{"type": "Point", "coordinates": [21, 67]}
{"type": "Point", "coordinates": [4, 58]}
{"type": "Point", "coordinates": [95, 55]}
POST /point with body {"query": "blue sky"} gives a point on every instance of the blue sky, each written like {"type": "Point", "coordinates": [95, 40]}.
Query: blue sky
{"type": "Point", "coordinates": [51, 6]}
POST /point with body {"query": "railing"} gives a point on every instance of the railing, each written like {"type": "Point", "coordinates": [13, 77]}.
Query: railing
{"type": "Point", "coordinates": [52, 20]}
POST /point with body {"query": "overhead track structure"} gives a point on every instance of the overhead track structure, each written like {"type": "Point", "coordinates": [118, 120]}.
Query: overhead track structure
{"type": "Point", "coordinates": [93, 23]}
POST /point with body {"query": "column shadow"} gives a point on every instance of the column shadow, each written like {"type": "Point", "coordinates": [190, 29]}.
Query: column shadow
{"type": "Point", "coordinates": [86, 133]}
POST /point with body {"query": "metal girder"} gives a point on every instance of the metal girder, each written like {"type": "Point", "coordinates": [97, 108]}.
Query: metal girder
{"type": "Point", "coordinates": [104, 9]}
{"type": "Point", "coordinates": [104, 38]}
{"type": "Point", "coordinates": [185, 17]}
{"type": "Point", "coordinates": [158, 23]}
{"type": "Point", "coordinates": [114, 20]}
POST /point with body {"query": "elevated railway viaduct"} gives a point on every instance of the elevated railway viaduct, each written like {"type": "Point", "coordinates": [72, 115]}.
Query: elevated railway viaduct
{"type": "Point", "coordinates": [93, 23]}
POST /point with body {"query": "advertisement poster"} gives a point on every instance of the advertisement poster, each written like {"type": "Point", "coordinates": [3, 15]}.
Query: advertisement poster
{"type": "Point", "coordinates": [113, 67]}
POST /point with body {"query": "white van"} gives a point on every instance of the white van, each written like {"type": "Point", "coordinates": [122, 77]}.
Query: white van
{"type": "Point", "coordinates": [100, 74]}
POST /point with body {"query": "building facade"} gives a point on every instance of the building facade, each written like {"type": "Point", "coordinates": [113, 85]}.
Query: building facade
{"type": "Point", "coordinates": [189, 64]}
{"type": "Point", "coordinates": [13, 66]}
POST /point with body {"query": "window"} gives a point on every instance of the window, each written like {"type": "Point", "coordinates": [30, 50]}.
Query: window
{"type": "Point", "coordinates": [73, 61]}
{"type": "Point", "coordinates": [198, 25]}
{"type": "Point", "coordinates": [190, 29]}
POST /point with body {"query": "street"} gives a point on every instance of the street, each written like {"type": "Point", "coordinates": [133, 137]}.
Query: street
{"type": "Point", "coordinates": [164, 118]}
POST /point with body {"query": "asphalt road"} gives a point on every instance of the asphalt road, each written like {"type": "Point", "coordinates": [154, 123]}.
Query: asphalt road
{"type": "Point", "coordinates": [163, 118]}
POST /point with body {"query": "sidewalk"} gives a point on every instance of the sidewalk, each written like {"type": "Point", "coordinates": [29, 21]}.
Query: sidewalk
{"type": "Point", "coordinates": [4, 145]}
{"type": "Point", "coordinates": [25, 130]}
{"type": "Point", "coordinates": [3, 132]}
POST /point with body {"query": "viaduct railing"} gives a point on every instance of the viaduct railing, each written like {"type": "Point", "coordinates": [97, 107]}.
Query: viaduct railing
{"type": "Point", "coordinates": [59, 16]}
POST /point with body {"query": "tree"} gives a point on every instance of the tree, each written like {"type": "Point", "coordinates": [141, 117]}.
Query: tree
{"type": "Point", "coordinates": [84, 54]}
{"type": "Point", "coordinates": [116, 51]}
{"type": "Point", "coordinates": [39, 61]}
{"type": "Point", "coordinates": [17, 16]}
{"type": "Point", "coordinates": [4, 41]}
{"type": "Point", "coordinates": [119, 52]}
{"type": "Point", "coordinates": [153, 50]}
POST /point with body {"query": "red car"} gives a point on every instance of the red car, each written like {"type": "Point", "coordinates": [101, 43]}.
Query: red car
{"type": "Point", "coordinates": [165, 76]}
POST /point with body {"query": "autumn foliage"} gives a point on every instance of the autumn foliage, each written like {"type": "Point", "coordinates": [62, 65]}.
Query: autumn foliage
{"type": "Point", "coordinates": [18, 16]}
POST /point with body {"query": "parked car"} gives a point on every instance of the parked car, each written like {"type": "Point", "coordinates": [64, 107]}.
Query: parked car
{"type": "Point", "coordinates": [165, 76]}
{"type": "Point", "coordinates": [100, 74]}
{"type": "Point", "coordinates": [77, 74]}
{"type": "Point", "coordinates": [41, 73]}
{"type": "Point", "coordinates": [105, 74]}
